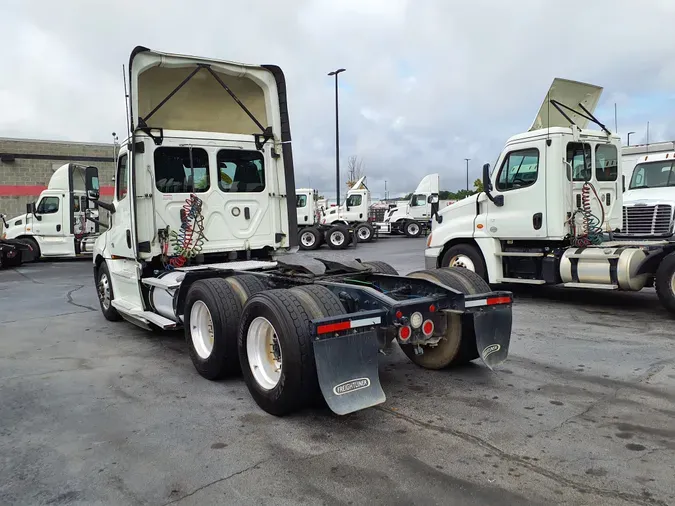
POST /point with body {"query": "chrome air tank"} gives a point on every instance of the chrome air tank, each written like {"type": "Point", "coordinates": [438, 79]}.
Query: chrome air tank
{"type": "Point", "coordinates": [614, 267]}
{"type": "Point", "coordinates": [163, 291]}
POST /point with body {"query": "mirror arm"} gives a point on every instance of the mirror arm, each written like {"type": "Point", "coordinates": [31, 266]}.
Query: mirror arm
{"type": "Point", "coordinates": [104, 205]}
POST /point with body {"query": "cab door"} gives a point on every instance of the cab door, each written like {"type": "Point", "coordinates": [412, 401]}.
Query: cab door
{"type": "Point", "coordinates": [521, 181]}
{"type": "Point", "coordinates": [49, 226]}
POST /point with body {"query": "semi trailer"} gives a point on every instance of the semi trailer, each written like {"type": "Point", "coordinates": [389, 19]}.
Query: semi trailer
{"type": "Point", "coordinates": [203, 237]}
{"type": "Point", "coordinates": [552, 212]}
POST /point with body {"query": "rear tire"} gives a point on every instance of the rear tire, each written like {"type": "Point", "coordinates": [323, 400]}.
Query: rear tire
{"type": "Point", "coordinates": [664, 282]}
{"type": "Point", "coordinates": [412, 229]}
{"type": "Point", "coordinates": [309, 238]}
{"type": "Point", "coordinates": [458, 345]}
{"type": "Point", "coordinates": [105, 293]}
{"type": "Point", "coordinates": [274, 325]}
{"type": "Point", "coordinates": [13, 261]}
{"type": "Point", "coordinates": [365, 232]}
{"type": "Point", "coordinates": [211, 320]}
{"type": "Point", "coordinates": [246, 285]}
{"type": "Point", "coordinates": [466, 256]}
{"type": "Point", "coordinates": [381, 267]}
{"type": "Point", "coordinates": [337, 237]}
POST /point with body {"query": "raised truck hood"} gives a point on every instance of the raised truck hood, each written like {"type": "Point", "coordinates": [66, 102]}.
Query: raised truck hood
{"type": "Point", "coordinates": [571, 94]}
{"type": "Point", "coordinates": [201, 104]}
{"type": "Point", "coordinates": [429, 184]}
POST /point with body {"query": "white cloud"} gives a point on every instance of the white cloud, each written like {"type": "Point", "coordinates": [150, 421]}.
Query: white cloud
{"type": "Point", "coordinates": [428, 82]}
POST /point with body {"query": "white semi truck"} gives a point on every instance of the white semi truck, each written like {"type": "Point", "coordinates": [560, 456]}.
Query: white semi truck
{"type": "Point", "coordinates": [353, 213]}
{"type": "Point", "coordinates": [203, 237]}
{"type": "Point", "coordinates": [552, 210]}
{"type": "Point", "coordinates": [63, 223]}
{"type": "Point", "coordinates": [413, 218]}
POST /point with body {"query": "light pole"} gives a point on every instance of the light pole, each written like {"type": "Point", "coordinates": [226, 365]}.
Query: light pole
{"type": "Point", "coordinates": [628, 141]}
{"type": "Point", "coordinates": [385, 189]}
{"type": "Point", "coordinates": [337, 137]}
{"type": "Point", "coordinates": [467, 174]}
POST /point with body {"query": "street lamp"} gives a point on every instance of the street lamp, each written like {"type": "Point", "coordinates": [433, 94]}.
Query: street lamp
{"type": "Point", "coordinates": [337, 136]}
{"type": "Point", "coordinates": [628, 141]}
{"type": "Point", "coordinates": [467, 174]}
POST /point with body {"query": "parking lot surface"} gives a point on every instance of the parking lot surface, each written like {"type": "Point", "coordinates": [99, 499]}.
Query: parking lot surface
{"type": "Point", "coordinates": [94, 412]}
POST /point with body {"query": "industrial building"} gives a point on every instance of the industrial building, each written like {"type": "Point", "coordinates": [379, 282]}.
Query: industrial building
{"type": "Point", "coordinates": [27, 164]}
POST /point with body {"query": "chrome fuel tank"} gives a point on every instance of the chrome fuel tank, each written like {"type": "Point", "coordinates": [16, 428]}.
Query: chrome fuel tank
{"type": "Point", "coordinates": [614, 267]}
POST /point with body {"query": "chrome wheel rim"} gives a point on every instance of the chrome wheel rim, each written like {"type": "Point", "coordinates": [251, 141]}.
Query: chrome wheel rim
{"type": "Point", "coordinates": [307, 239]}
{"type": "Point", "coordinates": [338, 238]}
{"type": "Point", "coordinates": [413, 229]}
{"type": "Point", "coordinates": [264, 353]}
{"type": "Point", "coordinates": [104, 291]}
{"type": "Point", "coordinates": [462, 261]}
{"type": "Point", "coordinates": [201, 329]}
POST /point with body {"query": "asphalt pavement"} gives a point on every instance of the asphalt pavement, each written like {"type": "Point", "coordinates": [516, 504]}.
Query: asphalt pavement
{"type": "Point", "coordinates": [94, 412]}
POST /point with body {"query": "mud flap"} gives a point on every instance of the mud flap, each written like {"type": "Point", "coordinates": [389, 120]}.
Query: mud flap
{"type": "Point", "coordinates": [493, 334]}
{"type": "Point", "coordinates": [347, 370]}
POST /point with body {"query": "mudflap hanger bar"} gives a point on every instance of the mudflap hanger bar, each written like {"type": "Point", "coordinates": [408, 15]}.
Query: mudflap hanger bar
{"type": "Point", "coordinates": [260, 139]}
{"type": "Point", "coordinates": [346, 347]}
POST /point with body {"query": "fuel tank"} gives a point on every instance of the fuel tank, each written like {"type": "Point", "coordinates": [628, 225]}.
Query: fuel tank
{"type": "Point", "coordinates": [604, 266]}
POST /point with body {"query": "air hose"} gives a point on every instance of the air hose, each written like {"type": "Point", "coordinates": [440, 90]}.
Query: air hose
{"type": "Point", "coordinates": [591, 225]}
{"type": "Point", "coordinates": [187, 242]}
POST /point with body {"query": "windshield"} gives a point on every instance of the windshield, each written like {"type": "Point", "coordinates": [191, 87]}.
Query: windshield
{"type": "Point", "coordinates": [653, 175]}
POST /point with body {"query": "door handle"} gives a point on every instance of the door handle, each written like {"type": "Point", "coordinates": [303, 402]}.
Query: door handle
{"type": "Point", "coordinates": [58, 228]}
{"type": "Point", "coordinates": [537, 221]}
{"type": "Point", "coordinates": [129, 239]}
{"type": "Point", "coordinates": [247, 213]}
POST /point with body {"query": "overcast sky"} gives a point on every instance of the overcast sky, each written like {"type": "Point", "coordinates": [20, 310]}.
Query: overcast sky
{"type": "Point", "coordinates": [428, 82]}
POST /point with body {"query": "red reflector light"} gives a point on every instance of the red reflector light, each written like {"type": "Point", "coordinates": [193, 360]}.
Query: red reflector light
{"type": "Point", "coordinates": [333, 327]}
{"type": "Point", "coordinates": [432, 308]}
{"type": "Point", "coordinates": [399, 315]}
{"type": "Point", "coordinates": [428, 328]}
{"type": "Point", "coordinates": [492, 301]}
{"type": "Point", "coordinates": [404, 333]}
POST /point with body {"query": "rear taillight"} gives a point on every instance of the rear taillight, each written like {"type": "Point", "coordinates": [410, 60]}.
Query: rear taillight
{"type": "Point", "coordinates": [428, 328]}
{"type": "Point", "coordinates": [404, 333]}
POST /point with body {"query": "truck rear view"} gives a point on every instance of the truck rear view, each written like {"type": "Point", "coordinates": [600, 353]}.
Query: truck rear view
{"type": "Point", "coordinates": [202, 235]}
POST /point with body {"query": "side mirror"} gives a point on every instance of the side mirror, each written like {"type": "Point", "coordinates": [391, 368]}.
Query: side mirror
{"type": "Point", "coordinates": [91, 179]}
{"type": "Point", "coordinates": [93, 195]}
{"type": "Point", "coordinates": [433, 199]}
{"type": "Point", "coordinates": [487, 187]}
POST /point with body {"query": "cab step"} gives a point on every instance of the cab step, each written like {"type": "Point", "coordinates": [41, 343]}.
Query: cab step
{"type": "Point", "coordinates": [126, 308]}
{"type": "Point", "coordinates": [518, 254]}
{"type": "Point", "coordinates": [521, 280]}
{"type": "Point", "coordinates": [161, 283]}
{"type": "Point", "coordinates": [593, 286]}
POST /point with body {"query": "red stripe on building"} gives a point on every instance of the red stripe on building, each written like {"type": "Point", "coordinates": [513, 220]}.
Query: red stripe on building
{"type": "Point", "coordinates": [35, 190]}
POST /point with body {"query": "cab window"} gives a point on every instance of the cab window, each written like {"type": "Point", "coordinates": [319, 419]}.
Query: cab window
{"type": "Point", "coordinates": [48, 205]}
{"type": "Point", "coordinates": [419, 200]}
{"type": "Point", "coordinates": [354, 200]}
{"type": "Point", "coordinates": [519, 170]}
{"type": "Point", "coordinates": [241, 171]}
{"type": "Point", "coordinates": [122, 178]}
{"type": "Point", "coordinates": [579, 156]}
{"type": "Point", "coordinates": [300, 200]}
{"type": "Point", "coordinates": [606, 163]}
{"type": "Point", "coordinates": [181, 170]}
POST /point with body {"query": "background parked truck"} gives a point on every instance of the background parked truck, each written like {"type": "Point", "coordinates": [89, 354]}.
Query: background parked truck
{"type": "Point", "coordinates": [552, 210]}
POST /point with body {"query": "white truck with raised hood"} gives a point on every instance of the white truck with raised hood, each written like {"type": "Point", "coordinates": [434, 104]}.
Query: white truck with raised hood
{"type": "Point", "coordinates": [203, 236]}
{"type": "Point", "coordinates": [552, 210]}
{"type": "Point", "coordinates": [63, 223]}
{"type": "Point", "coordinates": [353, 213]}
{"type": "Point", "coordinates": [413, 218]}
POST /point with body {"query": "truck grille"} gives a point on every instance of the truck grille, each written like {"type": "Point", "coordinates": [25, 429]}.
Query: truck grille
{"type": "Point", "coordinates": [647, 220]}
